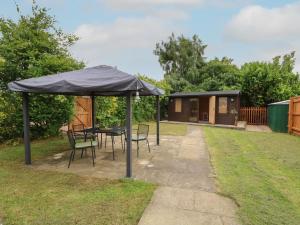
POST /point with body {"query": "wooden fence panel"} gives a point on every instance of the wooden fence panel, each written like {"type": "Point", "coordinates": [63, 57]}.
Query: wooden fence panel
{"type": "Point", "coordinates": [82, 112]}
{"type": "Point", "coordinates": [294, 116]}
{"type": "Point", "coordinates": [254, 115]}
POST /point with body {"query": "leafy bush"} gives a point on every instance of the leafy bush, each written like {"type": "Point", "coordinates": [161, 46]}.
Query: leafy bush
{"type": "Point", "coordinates": [33, 47]}
{"type": "Point", "coordinates": [267, 82]}
{"type": "Point", "coordinates": [149, 102]}
{"type": "Point", "coordinates": [112, 110]}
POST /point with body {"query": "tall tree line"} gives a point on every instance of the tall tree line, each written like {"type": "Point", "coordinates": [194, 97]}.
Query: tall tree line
{"type": "Point", "coordinates": [34, 46]}
{"type": "Point", "coordinates": [187, 69]}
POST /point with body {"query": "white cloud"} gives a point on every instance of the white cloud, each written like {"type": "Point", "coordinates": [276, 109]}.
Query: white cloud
{"type": "Point", "coordinates": [123, 33]}
{"type": "Point", "coordinates": [150, 4]}
{"type": "Point", "coordinates": [256, 23]}
{"type": "Point", "coordinates": [126, 41]}
{"type": "Point", "coordinates": [170, 14]}
{"type": "Point", "coordinates": [266, 32]}
{"type": "Point", "coordinates": [146, 4]}
{"type": "Point", "coordinates": [129, 41]}
{"type": "Point", "coordinates": [228, 3]}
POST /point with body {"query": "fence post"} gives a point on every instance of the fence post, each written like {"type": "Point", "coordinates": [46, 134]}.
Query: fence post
{"type": "Point", "coordinates": [290, 121]}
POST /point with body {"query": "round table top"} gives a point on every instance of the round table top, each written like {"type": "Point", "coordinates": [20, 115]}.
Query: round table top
{"type": "Point", "coordinates": [105, 130]}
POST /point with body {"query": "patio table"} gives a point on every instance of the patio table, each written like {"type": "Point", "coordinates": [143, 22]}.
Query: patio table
{"type": "Point", "coordinates": [112, 131]}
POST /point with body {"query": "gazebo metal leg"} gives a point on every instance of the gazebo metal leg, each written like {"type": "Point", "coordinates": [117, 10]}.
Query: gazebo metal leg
{"type": "Point", "coordinates": [93, 113]}
{"type": "Point", "coordinates": [137, 148]}
{"type": "Point", "coordinates": [128, 133]}
{"type": "Point", "coordinates": [26, 128]}
{"type": "Point", "coordinates": [157, 119]}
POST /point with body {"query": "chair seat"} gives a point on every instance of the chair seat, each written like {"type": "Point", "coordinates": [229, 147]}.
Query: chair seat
{"type": "Point", "coordinates": [86, 144]}
{"type": "Point", "coordinates": [138, 138]}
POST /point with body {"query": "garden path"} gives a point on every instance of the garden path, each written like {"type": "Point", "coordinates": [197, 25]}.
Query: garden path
{"type": "Point", "coordinates": [187, 193]}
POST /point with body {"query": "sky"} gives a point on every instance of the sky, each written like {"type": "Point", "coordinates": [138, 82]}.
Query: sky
{"type": "Point", "coordinates": [124, 33]}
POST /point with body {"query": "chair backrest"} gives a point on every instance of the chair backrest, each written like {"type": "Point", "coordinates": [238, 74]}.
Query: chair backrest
{"type": "Point", "coordinates": [71, 138]}
{"type": "Point", "coordinates": [78, 127]}
{"type": "Point", "coordinates": [115, 128]}
{"type": "Point", "coordinates": [143, 129]}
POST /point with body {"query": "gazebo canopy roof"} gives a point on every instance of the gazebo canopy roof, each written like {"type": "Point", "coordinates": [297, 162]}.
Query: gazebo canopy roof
{"type": "Point", "coordinates": [99, 81]}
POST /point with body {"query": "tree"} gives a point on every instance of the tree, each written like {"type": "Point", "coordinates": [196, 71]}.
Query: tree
{"type": "Point", "coordinates": [112, 110]}
{"type": "Point", "coordinates": [145, 109]}
{"type": "Point", "coordinates": [267, 82]}
{"type": "Point", "coordinates": [181, 58]}
{"type": "Point", "coordinates": [31, 47]}
{"type": "Point", "coordinates": [186, 68]}
{"type": "Point", "coordinates": [220, 75]}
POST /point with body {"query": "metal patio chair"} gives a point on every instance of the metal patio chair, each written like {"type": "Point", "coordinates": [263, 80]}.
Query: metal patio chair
{"type": "Point", "coordinates": [81, 145]}
{"type": "Point", "coordinates": [79, 130]}
{"type": "Point", "coordinates": [141, 135]}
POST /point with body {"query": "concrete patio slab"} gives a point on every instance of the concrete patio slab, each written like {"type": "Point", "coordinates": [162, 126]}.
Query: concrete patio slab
{"type": "Point", "coordinates": [188, 195]}
{"type": "Point", "coordinates": [180, 166]}
{"type": "Point", "coordinates": [156, 215]}
{"type": "Point", "coordinates": [186, 206]}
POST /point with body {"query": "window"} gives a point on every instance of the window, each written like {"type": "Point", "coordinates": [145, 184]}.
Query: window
{"type": "Point", "coordinates": [223, 105]}
{"type": "Point", "coordinates": [178, 104]}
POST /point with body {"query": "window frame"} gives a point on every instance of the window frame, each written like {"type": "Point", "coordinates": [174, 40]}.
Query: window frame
{"type": "Point", "coordinates": [219, 106]}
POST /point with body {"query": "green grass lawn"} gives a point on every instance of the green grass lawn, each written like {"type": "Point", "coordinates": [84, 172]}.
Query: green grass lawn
{"type": "Point", "coordinates": [260, 171]}
{"type": "Point", "coordinates": [28, 196]}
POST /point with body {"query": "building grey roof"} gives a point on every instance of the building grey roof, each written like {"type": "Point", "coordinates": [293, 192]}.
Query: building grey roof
{"type": "Point", "coordinates": [99, 80]}
{"type": "Point", "coordinates": [207, 93]}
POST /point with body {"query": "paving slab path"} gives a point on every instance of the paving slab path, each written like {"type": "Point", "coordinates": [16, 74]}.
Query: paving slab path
{"type": "Point", "coordinates": [187, 193]}
{"type": "Point", "coordinates": [181, 167]}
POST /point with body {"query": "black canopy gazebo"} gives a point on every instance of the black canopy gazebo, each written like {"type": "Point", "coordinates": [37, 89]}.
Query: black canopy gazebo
{"type": "Point", "coordinates": [93, 81]}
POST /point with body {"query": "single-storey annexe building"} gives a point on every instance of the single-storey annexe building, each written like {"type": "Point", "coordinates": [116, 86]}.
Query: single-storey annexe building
{"type": "Point", "coordinates": [214, 107]}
